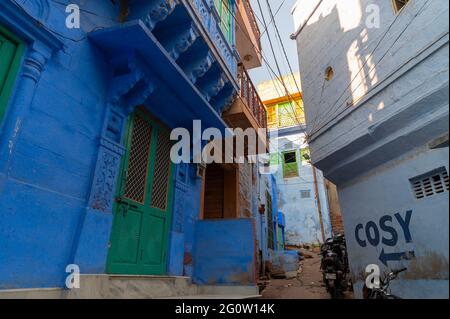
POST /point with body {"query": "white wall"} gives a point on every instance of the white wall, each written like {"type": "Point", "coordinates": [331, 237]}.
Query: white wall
{"type": "Point", "coordinates": [386, 191]}
{"type": "Point", "coordinates": [337, 36]}
{"type": "Point", "coordinates": [372, 123]}
{"type": "Point", "coordinates": [302, 215]}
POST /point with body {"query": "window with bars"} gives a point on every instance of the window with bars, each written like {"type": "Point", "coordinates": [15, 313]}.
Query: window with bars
{"type": "Point", "coordinates": [137, 169]}
{"type": "Point", "coordinates": [285, 114]}
{"type": "Point", "coordinates": [161, 176]}
{"type": "Point", "coordinates": [431, 183]}
{"type": "Point", "coordinates": [290, 114]}
{"type": "Point", "coordinates": [399, 4]}
{"type": "Point", "coordinates": [224, 9]}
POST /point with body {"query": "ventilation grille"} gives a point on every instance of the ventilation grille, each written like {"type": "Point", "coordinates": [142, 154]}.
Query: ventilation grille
{"type": "Point", "coordinates": [429, 184]}
{"type": "Point", "coordinates": [305, 193]}
{"type": "Point", "coordinates": [162, 171]}
{"type": "Point", "coordinates": [136, 179]}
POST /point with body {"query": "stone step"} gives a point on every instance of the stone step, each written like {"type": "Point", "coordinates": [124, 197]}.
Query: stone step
{"type": "Point", "coordinates": [135, 287]}
{"type": "Point", "coordinates": [131, 287]}
{"type": "Point", "coordinates": [32, 293]}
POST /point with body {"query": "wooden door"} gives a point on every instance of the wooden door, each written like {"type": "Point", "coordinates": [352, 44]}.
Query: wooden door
{"type": "Point", "coordinates": [143, 207]}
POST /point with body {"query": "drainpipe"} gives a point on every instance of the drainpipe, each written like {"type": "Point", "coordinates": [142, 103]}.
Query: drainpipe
{"type": "Point", "coordinates": [319, 207]}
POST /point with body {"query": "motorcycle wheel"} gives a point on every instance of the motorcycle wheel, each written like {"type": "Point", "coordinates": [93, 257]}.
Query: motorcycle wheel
{"type": "Point", "coordinates": [331, 287]}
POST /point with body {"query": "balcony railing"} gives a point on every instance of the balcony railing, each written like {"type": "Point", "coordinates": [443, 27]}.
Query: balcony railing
{"type": "Point", "coordinates": [251, 97]}
{"type": "Point", "coordinates": [253, 21]}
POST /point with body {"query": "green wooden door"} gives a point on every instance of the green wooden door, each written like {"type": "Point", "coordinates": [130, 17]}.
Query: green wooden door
{"type": "Point", "coordinates": [143, 207]}
{"type": "Point", "coordinates": [11, 51]}
{"type": "Point", "coordinates": [280, 242]}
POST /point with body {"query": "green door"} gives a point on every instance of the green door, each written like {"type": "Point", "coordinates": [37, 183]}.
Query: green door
{"type": "Point", "coordinates": [11, 51]}
{"type": "Point", "coordinates": [143, 206]}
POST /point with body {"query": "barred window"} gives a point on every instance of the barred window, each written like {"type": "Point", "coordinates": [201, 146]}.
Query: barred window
{"type": "Point", "coordinates": [290, 114]}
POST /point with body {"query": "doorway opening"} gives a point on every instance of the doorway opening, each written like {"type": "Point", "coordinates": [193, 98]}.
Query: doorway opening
{"type": "Point", "coordinates": [221, 192]}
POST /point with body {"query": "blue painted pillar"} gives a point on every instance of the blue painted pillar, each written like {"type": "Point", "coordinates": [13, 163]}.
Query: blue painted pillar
{"type": "Point", "coordinates": [19, 107]}
{"type": "Point", "coordinates": [90, 248]}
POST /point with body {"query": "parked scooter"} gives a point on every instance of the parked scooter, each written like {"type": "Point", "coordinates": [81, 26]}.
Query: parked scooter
{"type": "Point", "coordinates": [334, 265]}
{"type": "Point", "coordinates": [382, 292]}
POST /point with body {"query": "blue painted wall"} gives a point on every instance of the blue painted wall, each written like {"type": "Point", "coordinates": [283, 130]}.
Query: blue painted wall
{"type": "Point", "coordinates": [224, 252]}
{"type": "Point", "coordinates": [57, 142]}
{"type": "Point", "coordinates": [61, 138]}
{"type": "Point", "coordinates": [186, 212]}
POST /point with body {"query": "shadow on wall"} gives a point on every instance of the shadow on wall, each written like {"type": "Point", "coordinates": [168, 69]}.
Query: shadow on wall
{"type": "Point", "coordinates": [343, 82]}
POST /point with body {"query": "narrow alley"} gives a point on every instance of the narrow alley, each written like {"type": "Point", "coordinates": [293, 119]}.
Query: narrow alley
{"type": "Point", "coordinates": [224, 149]}
{"type": "Point", "coordinates": [307, 285]}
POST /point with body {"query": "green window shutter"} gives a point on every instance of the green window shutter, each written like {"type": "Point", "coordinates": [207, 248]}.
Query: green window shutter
{"type": "Point", "coordinates": [274, 159]}
{"type": "Point", "coordinates": [290, 164]}
{"type": "Point", "coordinates": [224, 8]}
{"type": "Point", "coordinates": [11, 51]}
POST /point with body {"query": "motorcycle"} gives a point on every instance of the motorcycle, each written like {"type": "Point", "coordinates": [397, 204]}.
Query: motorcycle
{"type": "Point", "coordinates": [383, 291]}
{"type": "Point", "coordinates": [334, 265]}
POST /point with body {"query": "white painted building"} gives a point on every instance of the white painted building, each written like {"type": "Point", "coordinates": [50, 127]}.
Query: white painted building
{"type": "Point", "coordinates": [301, 197]}
{"type": "Point", "coordinates": [375, 88]}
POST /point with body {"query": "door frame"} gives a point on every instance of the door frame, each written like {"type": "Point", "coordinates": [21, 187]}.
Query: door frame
{"type": "Point", "coordinates": [231, 179]}
{"type": "Point", "coordinates": [7, 90]}
{"type": "Point", "coordinates": [157, 126]}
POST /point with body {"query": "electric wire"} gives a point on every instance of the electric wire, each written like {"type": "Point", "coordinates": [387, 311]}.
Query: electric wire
{"type": "Point", "coordinates": [333, 111]}
{"type": "Point", "coordinates": [278, 67]}
{"type": "Point", "coordinates": [269, 67]}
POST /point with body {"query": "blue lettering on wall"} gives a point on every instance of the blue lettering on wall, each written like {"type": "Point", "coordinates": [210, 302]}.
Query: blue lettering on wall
{"type": "Point", "coordinates": [362, 243]}
{"type": "Point", "coordinates": [372, 233]}
{"type": "Point", "coordinates": [384, 231]}
{"type": "Point", "coordinates": [404, 223]}
{"type": "Point", "coordinates": [405, 255]}
{"type": "Point", "coordinates": [392, 241]}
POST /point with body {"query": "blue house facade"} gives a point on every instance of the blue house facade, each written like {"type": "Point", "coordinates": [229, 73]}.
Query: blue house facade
{"type": "Point", "coordinates": [86, 114]}
{"type": "Point", "coordinates": [272, 257]}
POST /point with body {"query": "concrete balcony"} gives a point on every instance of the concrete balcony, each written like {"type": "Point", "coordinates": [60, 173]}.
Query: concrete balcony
{"type": "Point", "coordinates": [175, 53]}
{"type": "Point", "coordinates": [248, 40]}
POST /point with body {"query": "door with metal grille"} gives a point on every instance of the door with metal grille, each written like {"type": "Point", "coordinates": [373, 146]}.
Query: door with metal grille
{"type": "Point", "coordinates": [143, 207]}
